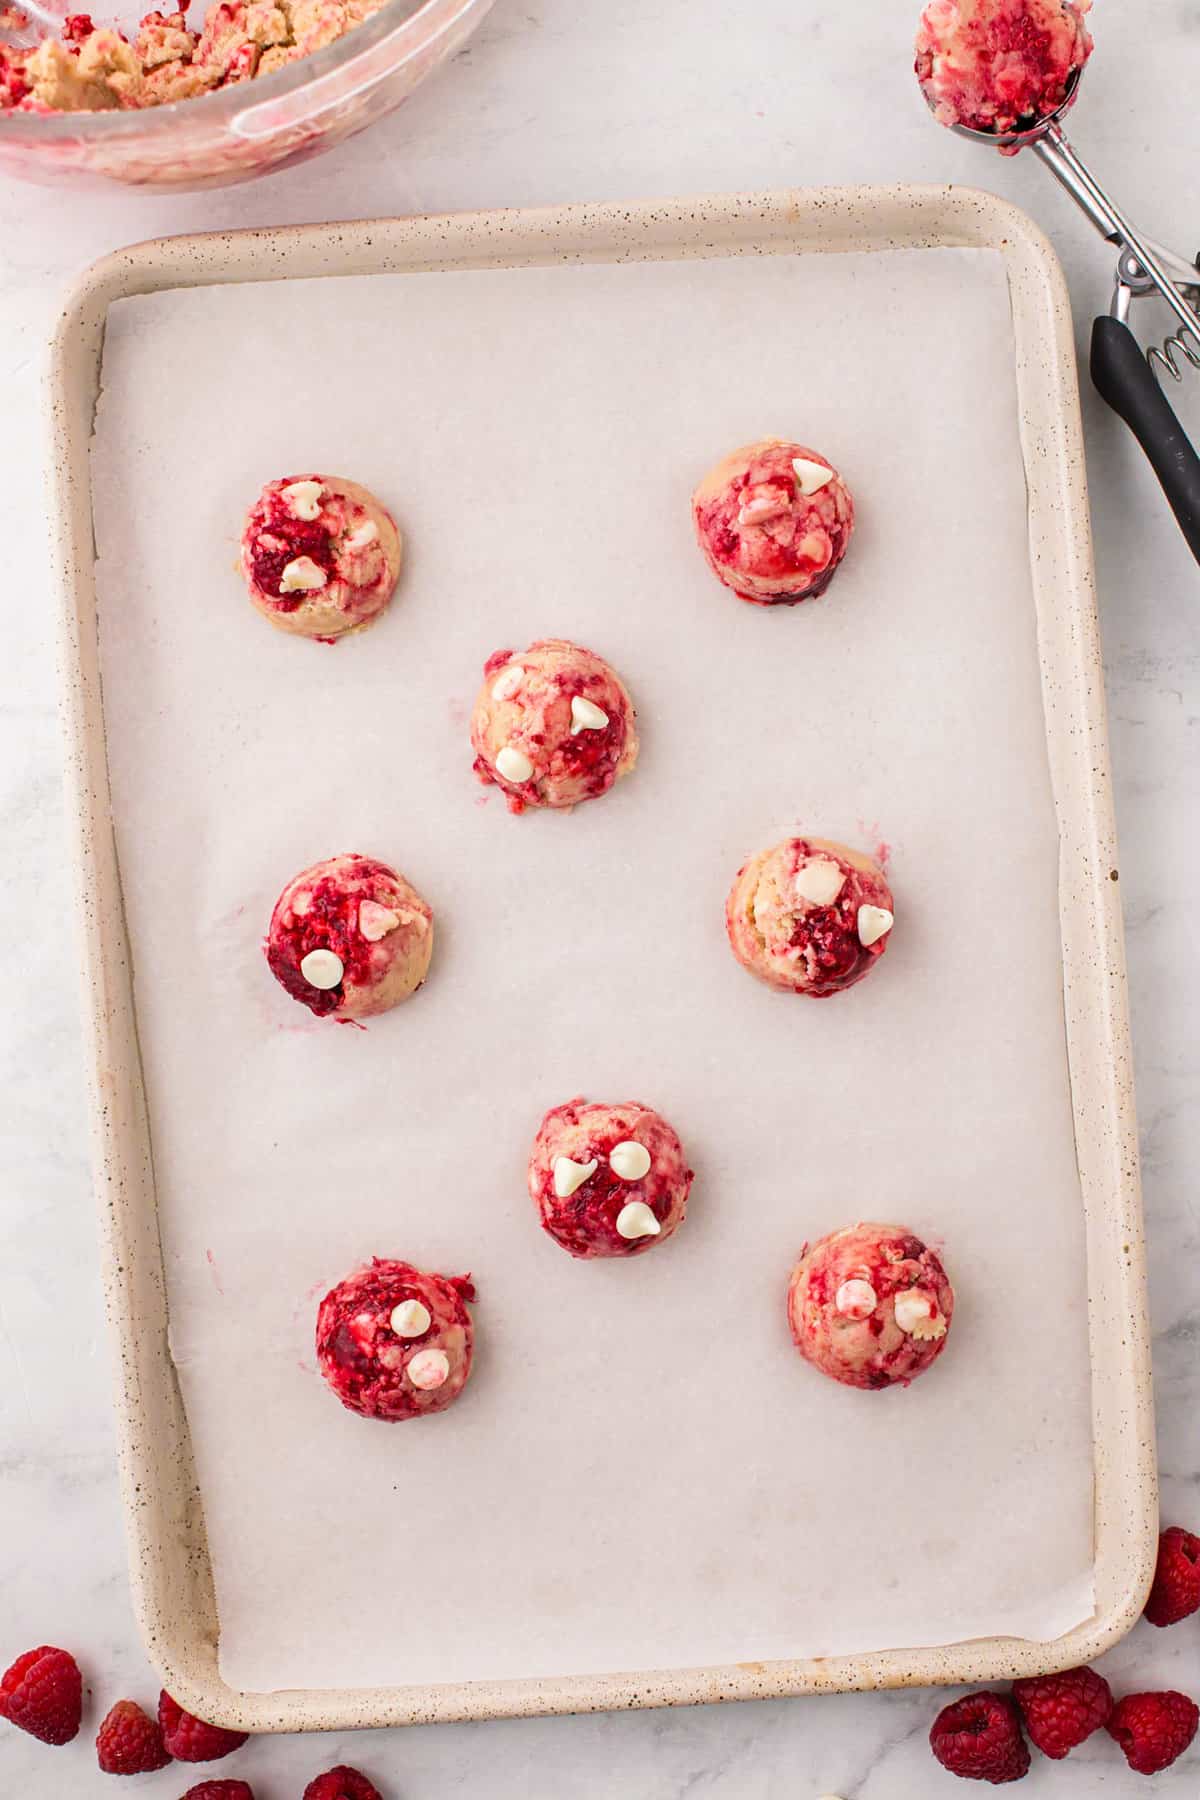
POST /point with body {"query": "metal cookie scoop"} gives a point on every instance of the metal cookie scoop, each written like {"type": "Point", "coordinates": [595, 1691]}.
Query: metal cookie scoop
{"type": "Point", "coordinates": [1122, 375]}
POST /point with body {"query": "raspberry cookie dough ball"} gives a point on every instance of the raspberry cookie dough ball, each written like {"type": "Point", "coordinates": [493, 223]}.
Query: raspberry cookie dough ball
{"type": "Point", "coordinates": [608, 1180]}
{"type": "Point", "coordinates": [773, 520]}
{"type": "Point", "coordinates": [394, 1342]}
{"type": "Point", "coordinates": [350, 937]}
{"type": "Point", "coordinates": [1000, 65]}
{"type": "Point", "coordinates": [320, 555]}
{"type": "Point", "coordinates": [870, 1306]}
{"type": "Point", "coordinates": [809, 916]}
{"type": "Point", "coordinates": [552, 725]}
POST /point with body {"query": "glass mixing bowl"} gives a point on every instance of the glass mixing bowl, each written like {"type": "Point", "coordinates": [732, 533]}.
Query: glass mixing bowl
{"type": "Point", "coordinates": [246, 129]}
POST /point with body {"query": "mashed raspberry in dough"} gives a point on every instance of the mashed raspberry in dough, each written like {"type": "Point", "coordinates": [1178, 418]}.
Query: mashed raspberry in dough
{"type": "Point", "coordinates": [809, 916]}
{"type": "Point", "coordinates": [1000, 65]}
{"type": "Point", "coordinates": [320, 555]}
{"type": "Point", "coordinates": [394, 1342]}
{"type": "Point", "coordinates": [350, 937]}
{"type": "Point", "coordinates": [95, 68]}
{"type": "Point", "coordinates": [773, 520]}
{"type": "Point", "coordinates": [870, 1306]}
{"type": "Point", "coordinates": [552, 725]}
{"type": "Point", "coordinates": [608, 1180]}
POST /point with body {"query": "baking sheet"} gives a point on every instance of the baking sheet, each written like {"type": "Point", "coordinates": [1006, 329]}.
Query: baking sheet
{"type": "Point", "coordinates": [641, 1474]}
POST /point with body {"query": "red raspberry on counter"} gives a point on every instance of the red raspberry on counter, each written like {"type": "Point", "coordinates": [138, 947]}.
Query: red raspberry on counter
{"type": "Point", "coordinates": [220, 1790]}
{"type": "Point", "coordinates": [189, 1739]}
{"type": "Point", "coordinates": [979, 1737]}
{"type": "Point", "coordinates": [1176, 1590]}
{"type": "Point", "coordinates": [1153, 1729]}
{"type": "Point", "coordinates": [43, 1694]}
{"type": "Point", "coordinates": [1060, 1711]}
{"type": "Point", "coordinates": [129, 1742]}
{"type": "Point", "coordinates": [342, 1784]}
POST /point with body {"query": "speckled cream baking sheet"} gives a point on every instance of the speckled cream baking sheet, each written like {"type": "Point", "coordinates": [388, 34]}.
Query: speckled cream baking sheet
{"type": "Point", "coordinates": [642, 1474]}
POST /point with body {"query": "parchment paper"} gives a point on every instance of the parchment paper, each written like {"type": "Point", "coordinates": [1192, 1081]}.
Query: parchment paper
{"type": "Point", "coordinates": [642, 1472]}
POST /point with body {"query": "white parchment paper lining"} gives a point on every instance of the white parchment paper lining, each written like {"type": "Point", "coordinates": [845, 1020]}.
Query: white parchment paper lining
{"type": "Point", "coordinates": [642, 1472]}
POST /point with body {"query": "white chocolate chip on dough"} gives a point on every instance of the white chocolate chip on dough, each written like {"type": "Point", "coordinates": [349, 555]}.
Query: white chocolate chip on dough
{"type": "Point", "coordinates": [303, 499]}
{"type": "Point", "coordinates": [508, 682]}
{"type": "Point", "coordinates": [375, 921]}
{"type": "Point", "coordinates": [411, 1319]}
{"type": "Point", "coordinates": [513, 764]}
{"type": "Point", "coordinates": [570, 1175]}
{"type": "Point", "coordinates": [629, 1160]}
{"type": "Point", "coordinates": [819, 882]}
{"type": "Point", "coordinates": [637, 1221]}
{"type": "Point", "coordinates": [428, 1369]}
{"type": "Point", "coordinates": [586, 715]}
{"type": "Point", "coordinates": [364, 534]}
{"type": "Point", "coordinates": [762, 505]}
{"type": "Point", "coordinates": [915, 1315]}
{"type": "Point", "coordinates": [301, 575]}
{"type": "Point", "coordinates": [811, 477]}
{"type": "Point", "coordinates": [856, 1299]}
{"type": "Point", "coordinates": [322, 969]}
{"type": "Point", "coordinates": [874, 922]}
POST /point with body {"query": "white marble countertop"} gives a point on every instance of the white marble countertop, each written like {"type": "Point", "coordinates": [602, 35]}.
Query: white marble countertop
{"type": "Point", "coordinates": [560, 100]}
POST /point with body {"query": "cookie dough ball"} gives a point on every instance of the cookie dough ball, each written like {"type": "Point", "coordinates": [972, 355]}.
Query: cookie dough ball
{"type": "Point", "coordinates": [773, 519]}
{"type": "Point", "coordinates": [394, 1342]}
{"type": "Point", "coordinates": [552, 725]}
{"type": "Point", "coordinates": [608, 1180]}
{"type": "Point", "coordinates": [870, 1306]}
{"type": "Point", "coordinates": [320, 555]}
{"type": "Point", "coordinates": [1000, 65]}
{"type": "Point", "coordinates": [809, 916]}
{"type": "Point", "coordinates": [350, 937]}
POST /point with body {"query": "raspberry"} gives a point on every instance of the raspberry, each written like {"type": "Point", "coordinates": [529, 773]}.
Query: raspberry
{"type": "Point", "coordinates": [979, 1737]}
{"type": "Point", "coordinates": [1176, 1590]}
{"type": "Point", "coordinates": [189, 1739]}
{"type": "Point", "coordinates": [129, 1742]}
{"type": "Point", "coordinates": [220, 1790]}
{"type": "Point", "coordinates": [43, 1694]}
{"type": "Point", "coordinates": [1061, 1710]}
{"type": "Point", "coordinates": [342, 1784]}
{"type": "Point", "coordinates": [1153, 1729]}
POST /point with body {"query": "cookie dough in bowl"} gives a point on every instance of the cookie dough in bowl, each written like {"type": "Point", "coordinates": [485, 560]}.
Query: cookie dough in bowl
{"type": "Point", "coordinates": [608, 1180]}
{"type": "Point", "coordinates": [773, 520]}
{"type": "Point", "coordinates": [870, 1306]}
{"type": "Point", "coordinates": [810, 916]}
{"type": "Point", "coordinates": [320, 555]}
{"type": "Point", "coordinates": [394, 1342]}
{"type": "Point", "coordinates": [552, 725]}
{"type": "Point", "coordinates": [350, 937]}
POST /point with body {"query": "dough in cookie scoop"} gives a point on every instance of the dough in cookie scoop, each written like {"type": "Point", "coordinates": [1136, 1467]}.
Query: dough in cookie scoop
{"type": "Point", "coordinates": [608, 1180]}
{"type": "Point", "coordinates": [552, 725]}
{"type": "Point", "coordinates": [809, 916]}
{"type": "Point", "coordinates": [350, 937]}
{"type": "Point", "coordinates": [870, 1306]}
{"type": "Point", "coordinates": [394, 1342]}
{"type": "Point", "coordinates": [773, 520]}
{"type": "Point", "coordinates": [320, 555]}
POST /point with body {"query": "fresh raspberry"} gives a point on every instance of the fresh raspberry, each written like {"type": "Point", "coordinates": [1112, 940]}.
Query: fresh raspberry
{"type": "Point", "coordinates": [189, 1739]}
{"type": "Point", "coordinates": [43, 1694]}
{"type": "Point", "coordinates": [220, 1790]}
{"type": "Point", "coordinates": [342, 1784]}
{"type": "Point", "coordinates": [1153, 1729]}
{"type": "Point", "coordinates": [1176, 1590]}
{"type": "Point", "coordinates": [1061, 1710]}
{"type": "Point", "coordinates": [129, 1742]}
{"type": "Point", "coordinates": [979, 1737]}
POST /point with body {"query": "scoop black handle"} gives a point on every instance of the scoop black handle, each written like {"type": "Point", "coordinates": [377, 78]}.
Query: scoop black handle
{"type": "Point", "coordinates": [1124, 378]}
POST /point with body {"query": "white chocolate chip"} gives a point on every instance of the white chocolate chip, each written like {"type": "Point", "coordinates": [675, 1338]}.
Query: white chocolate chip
{"type": "Point", "coordinates": [874, 922]}
{"type": "Point", "coordinates": [322, 969]}
{"type": "Point", "coordinates": [819, 882]}
{"type": "Point", "coordinates": [637, 1221]}
{"type": "Point", "coordinates": [410, 1319]}
{"type": "Point", "coordinates": [375, 921]}
{"type": "Point", "coordinates": [762, 505]}
{"type": "Point", "coordinates": [508, 682]}
{"type": "Point", "coordinates": [428, 1369]}
{"type": "Point", "coordinates": [915, 1315]}
{"type": "Point", "coordinates": [856, 1299]}
{"type": "Point", "coordinates": [365, 534]}
{"type": "Point", "coordinates": [630, 1160]}
{"type": "Point", "coordinates": [513, 764]}
{"type": "Point", "coordinates": [586, 715]}
{"type": "Point", "coordinates": [811, 477]}
{"type": "Point", "coordinates": [301, 575]}
{"type": "Point", "coordinates": [303, 499]}
{"type": "Point", "coordinates": [570, 1175]}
